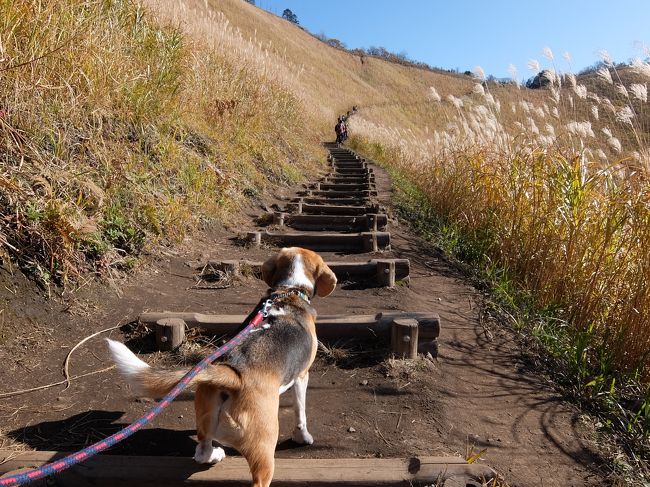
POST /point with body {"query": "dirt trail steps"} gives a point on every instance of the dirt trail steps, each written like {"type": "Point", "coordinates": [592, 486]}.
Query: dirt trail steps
{"type": "Point", "coordinates": [481, 395]}
{"type": "Point", "coordinates": [347, 219]}
{"type": "Point", "coordinates": [170, 327]}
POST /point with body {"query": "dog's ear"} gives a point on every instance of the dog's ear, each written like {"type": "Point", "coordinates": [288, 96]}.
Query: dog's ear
{"type": "Point", "coordinates": [325, 280]}
{"type": "Point", "coordinates": [268, 270]}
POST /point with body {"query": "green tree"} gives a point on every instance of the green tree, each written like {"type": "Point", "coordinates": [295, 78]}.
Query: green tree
{"type": "Point", "coordinates": [290, 16]}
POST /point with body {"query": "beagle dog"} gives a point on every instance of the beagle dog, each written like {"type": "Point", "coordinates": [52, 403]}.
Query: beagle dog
{"type": "Point", "coordinates": [237, 399]}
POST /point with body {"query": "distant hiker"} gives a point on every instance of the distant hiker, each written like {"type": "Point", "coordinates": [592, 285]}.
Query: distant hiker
{"type": "Point", "coordinates": [339, 130]}
{"type": "Point", "coordinates": [354, 109]}
{"type": "Point", "coordinates": [344, 131]}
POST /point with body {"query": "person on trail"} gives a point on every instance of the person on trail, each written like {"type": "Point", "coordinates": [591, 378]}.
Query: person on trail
{"type": "Point", "coordinates": [339, 130]}
{"type": "Point", "coordinates": [344, 131]}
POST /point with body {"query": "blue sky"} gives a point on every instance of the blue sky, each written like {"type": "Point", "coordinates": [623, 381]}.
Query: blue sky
{"type": "Point", "coordinates": [463, 33]}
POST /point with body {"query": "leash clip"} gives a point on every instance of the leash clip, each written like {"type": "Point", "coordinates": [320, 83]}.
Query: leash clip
{"type": "Point", "coordinates": [266, 308]}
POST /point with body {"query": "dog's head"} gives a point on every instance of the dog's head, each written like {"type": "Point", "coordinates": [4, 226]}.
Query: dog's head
{"type": "Point", "coordinates": [297, 267]}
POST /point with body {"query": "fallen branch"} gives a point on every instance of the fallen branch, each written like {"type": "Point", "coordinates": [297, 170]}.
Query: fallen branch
{"type": "Point", "coordinates": [66, 363]}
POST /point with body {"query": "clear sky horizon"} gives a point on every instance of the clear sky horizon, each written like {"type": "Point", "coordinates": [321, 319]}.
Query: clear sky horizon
{"type": "Point", "coordinates": [463, 34]}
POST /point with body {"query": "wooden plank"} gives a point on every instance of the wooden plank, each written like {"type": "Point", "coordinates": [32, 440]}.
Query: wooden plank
{"type": "Point", "coordinates": [351, 242]}
{"type": "Point", "coordinates": [349, 178]}
{"type": "Point", "coordinates": [327, 326]}
{"type": "Point", "coordinates": [348, 223]}
{"type": "Point", "coordinates": [339, 201]}
{"type": "Point", "coordinates": [145, 471]}
{"type": "Point", "coordinates": [310, 209]}
{"type": "Point", "coordinates": [343, 270]}
{"type": "Point", "coordinates": [352, 170]}
{"type": "Point", "coordinates": [347, 186]}
{"type": "Point", "coordinates": [357, 193]}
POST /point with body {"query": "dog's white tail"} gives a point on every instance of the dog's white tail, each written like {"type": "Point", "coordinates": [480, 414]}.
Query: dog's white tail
{"type": "Point", "coordinates": [156, 383]}
{"type": "Point", "coordinates": [127, 362]}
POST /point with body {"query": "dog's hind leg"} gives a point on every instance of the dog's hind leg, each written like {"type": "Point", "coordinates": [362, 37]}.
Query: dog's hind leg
{"type": "Point", "coordinates": [261, 437]}
{"type": "Point", "coordinates": [300, 433]}
{"type": "Point", "coordinates": [207, 404]}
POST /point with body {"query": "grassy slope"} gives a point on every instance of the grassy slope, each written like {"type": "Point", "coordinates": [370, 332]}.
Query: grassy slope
{"type": "Point", "coordinates": [116, 130]}
{"type": "Point", "coordinates": [333, 80]}
{"type": "Point", "coordinates": [116, 127]}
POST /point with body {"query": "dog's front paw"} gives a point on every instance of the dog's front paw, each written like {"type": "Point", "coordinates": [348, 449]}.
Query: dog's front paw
{"type": "Point", "coordinates": [302, 436]}
{"type": "Point", "coordinates": [208, 454]}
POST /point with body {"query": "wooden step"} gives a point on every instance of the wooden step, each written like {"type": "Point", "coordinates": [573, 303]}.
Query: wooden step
{"type": "Point", "coordinates": [343, 223]}
{"type": "Point", "coordinates": [337, 194]}
{"type": "Point", "coordinates": [348, 179]}
{"type": "Point", "coordinates": [325, 186]}
{"type": "Point", "coordinates": [349, 165]}
{"type": "Point", "coordinates": [346, 161]}
{"type": "Point", "coordinates": [170, 327]}
{"type": "Point", "coordinates": [149, 471]}
{"type": "Point", "coordinates": [346, 171]}
{"type": "Point", "coordinates": [310, 209]}
{"type": "Point", "coordinates": [338, 201]}
{"type": "Point", "coordinates": [382, 272]}
{"type": "Point", "coordinates": [325, 242]}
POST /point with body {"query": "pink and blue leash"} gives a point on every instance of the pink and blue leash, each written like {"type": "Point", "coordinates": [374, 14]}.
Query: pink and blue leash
{"type": "Point", "coordinates": [80, 456]}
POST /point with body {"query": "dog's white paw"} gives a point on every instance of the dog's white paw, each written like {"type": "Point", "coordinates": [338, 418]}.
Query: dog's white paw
{"type": "Point", "coordinates": [218, 454]}
{"type": "Point", "coordinates": [208, 454]}
{"type": "Point", "coordinates": [302, 436]}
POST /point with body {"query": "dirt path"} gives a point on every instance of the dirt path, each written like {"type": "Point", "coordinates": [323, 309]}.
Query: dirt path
{"type": "Point", "coordinates": [477, 395]}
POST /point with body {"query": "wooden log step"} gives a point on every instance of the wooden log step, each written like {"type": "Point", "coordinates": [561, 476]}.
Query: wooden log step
{"type": "Point", "coordinates": [373, 270]}
{"type": "Point", "coordinates": [347, 171]}
{"type": "Point", "coordinates": [347, 160]}
{"type": "Point", "coordinates": [339, 201]}
{"type": "Point", "coordinates": [345, 155]}
{"type": "Point", "coordinates": [325, 242]}
{"type": "Point", "coordinates": [362, 175]}
{"type": "Point", "coordinates": [338, 194]}
{"type": "Point", "coordinates": [309, 209]}
{"type": "Point", "coordinates": [150, 471]}
{"type": "Point", "coordinates": [343, 186]}
{"type": "Point", "coordinates": [348, 179]}
{"type": "Point", "coordinates": [349, 165]}
{"type": "Point", "coordinates": [347, 223]}
{"type": "Point", "coordinates": [328, 327]}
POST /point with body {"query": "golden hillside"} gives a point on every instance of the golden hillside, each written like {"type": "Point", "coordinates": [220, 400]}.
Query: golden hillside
{"type": "Point", "coordinates": [328, 80]}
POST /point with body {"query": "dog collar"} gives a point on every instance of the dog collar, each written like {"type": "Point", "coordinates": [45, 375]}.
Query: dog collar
{"type": "Point", "coordinates": [291, 292]}
{"type": "Point", "coordinates": [267, 304]}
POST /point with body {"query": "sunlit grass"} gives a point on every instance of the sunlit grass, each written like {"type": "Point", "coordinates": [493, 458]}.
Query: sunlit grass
{"type": "Point", "coordinates": [558, 220]}
{"type": "Point", "coordinates": [118, 130]}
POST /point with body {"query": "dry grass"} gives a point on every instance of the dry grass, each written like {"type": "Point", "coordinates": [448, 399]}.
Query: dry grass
{"type": "Point", "coordinates": [116, 130]}
{"type": "Point", "coordinates": [124, 124]}
{"type": "Point", "coordinates": [547, 192]}
{"type": "Point", "coordinates": [572, 230]}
